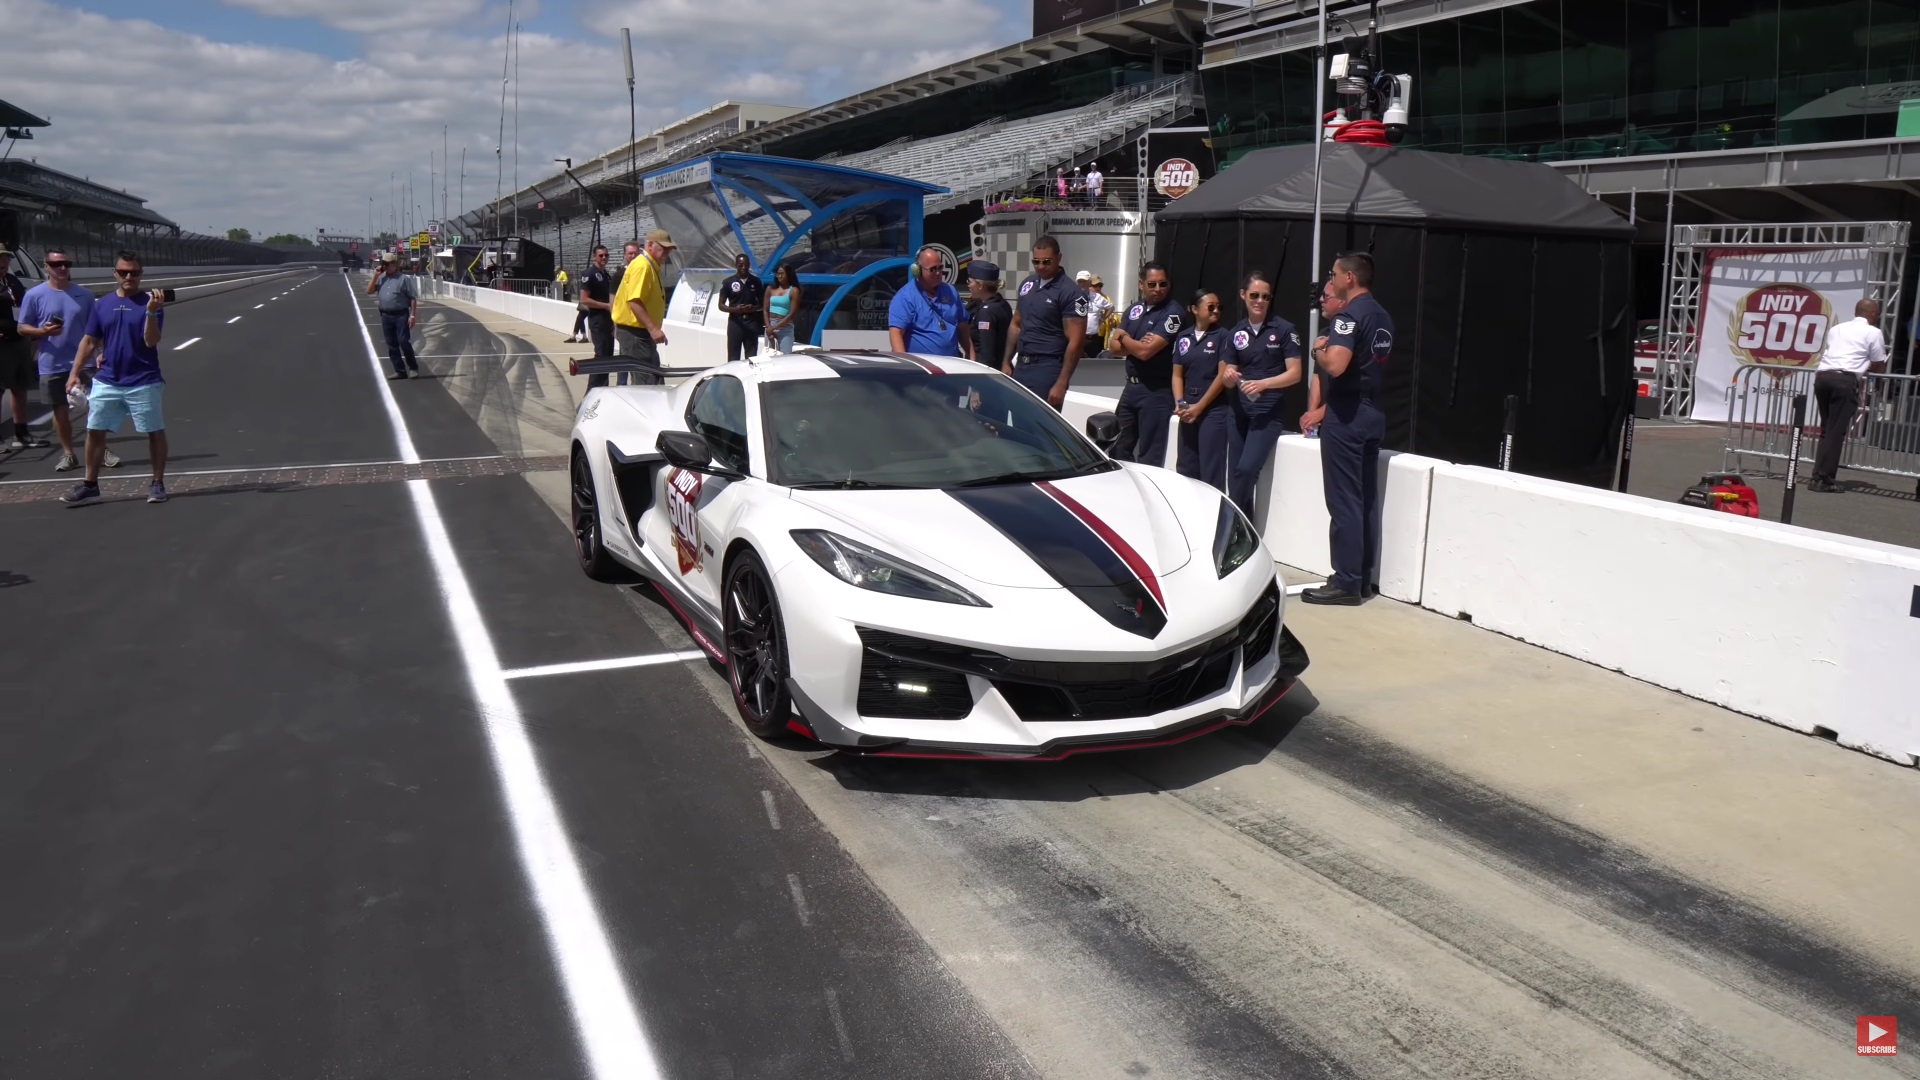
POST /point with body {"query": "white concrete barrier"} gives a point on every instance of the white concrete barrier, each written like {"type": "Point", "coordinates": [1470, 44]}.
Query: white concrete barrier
{"type": "Point", "coordinates": [1809, 630]}
{"type": "Point", "coordinates": [1294, 521]}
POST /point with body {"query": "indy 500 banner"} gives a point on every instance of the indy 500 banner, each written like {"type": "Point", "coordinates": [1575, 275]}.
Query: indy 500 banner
{"type": "Point", "coordinates": [1770, 307]}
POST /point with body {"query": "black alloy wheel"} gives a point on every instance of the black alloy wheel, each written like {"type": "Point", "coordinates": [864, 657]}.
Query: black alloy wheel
{"type": "Point", "coordinates": [756, 648]}
{"type": "Point", "coordinates": [595, 562]}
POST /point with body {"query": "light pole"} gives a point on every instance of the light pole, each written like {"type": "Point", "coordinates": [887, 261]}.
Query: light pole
{"type": "Point", "coordinates": [633, 133]}
{"type": "Point", "coordinates": [1319, 150]}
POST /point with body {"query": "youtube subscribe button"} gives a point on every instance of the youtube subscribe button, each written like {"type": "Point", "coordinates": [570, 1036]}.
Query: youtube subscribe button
{"type": "Point", "coordinates": [1878, 1035]}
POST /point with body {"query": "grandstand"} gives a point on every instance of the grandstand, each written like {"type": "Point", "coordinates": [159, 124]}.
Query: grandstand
{"type": "Point", "coordinates": [43, 208]}
{"type": "Point", "coordinates": [995, 123]}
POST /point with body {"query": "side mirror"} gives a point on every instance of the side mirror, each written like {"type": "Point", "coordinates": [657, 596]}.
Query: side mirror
{"type": "Point", "coordinates": [1104, 429]}
{"type": "Point", "coordinates": [685, 450]}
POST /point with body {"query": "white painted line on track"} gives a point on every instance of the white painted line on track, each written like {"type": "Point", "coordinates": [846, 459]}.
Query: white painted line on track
{"type": "Point", "coordinates": [603, 665]}
{"type": "Point", "coordinates": [277, 468]}
{"type": "Point", "coordinates": [611, 1035]}
{"type": "Point", "coordinates": [185, 343]}
{"type": "Point", "coordinates": [839, 1025]}
{"type": "Point", "coordinates": [257, 307]}
{"type": "Point", "coordinates": [233, 320]}
{"type": "Point", "coordinates": [1296, 590]}
{"type": "Point", "coordinates": [799, 899]}
{"type": "Point", "coordinates": [773, 812]}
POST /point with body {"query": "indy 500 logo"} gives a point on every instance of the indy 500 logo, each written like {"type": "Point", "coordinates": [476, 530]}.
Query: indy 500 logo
{"type": "Point", "coordinates": [1782, 323]}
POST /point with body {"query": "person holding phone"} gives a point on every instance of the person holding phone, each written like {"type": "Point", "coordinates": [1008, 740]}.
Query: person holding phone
{"type": "Point", "coordinates": [124, 328]}
{"type": "Point", "coordinates": [54, 316]}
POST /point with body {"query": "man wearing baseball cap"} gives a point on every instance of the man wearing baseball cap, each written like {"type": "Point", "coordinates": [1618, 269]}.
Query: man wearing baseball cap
{"type": "Point", "coordinates": [640, 307]}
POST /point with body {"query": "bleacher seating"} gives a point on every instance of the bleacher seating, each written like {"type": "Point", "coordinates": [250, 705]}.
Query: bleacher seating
{"type": "Point", "coordinates": [991, 157]}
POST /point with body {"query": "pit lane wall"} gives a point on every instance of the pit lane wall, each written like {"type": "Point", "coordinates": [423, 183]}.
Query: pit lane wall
{"type": "Point", "coordinates": [1812, 631]}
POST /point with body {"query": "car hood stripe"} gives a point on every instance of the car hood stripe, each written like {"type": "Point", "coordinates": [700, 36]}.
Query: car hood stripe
{"type": "Point", "coordinates": [1112, 539]}
{"type": "Point", "coordinates": [1061, 537]}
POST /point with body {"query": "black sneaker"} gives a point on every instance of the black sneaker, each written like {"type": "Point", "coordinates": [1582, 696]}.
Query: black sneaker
{"type": "Point", "coordinates": [1328, 594]}
{"type": "Point", "coordinates": [82, 492]}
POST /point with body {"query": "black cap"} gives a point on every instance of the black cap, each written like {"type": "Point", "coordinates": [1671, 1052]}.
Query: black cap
{"type": "Point", "coordinates": [981, 270]}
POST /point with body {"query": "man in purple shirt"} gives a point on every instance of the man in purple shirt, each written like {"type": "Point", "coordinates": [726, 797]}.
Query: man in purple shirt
{"type": "Point", "coordinates": [124, 328]}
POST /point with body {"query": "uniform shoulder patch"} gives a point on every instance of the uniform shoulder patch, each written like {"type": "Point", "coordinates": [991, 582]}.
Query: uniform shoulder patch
{"type": "Point", "coordinates": [1080, 306]}
{"type": "Point", "coordinates": [1343, 326]}
{"type": "Point", "coordinates": [1242, 339]}
{"type": "Point", "coordinates": [1026, 286]}
{"type": "Point", "coordinates": [1185, 344]}
{"type": "Point", "coordinates": [1175, 323]}
{"type": "Point", "coordinates": [1134, 311]}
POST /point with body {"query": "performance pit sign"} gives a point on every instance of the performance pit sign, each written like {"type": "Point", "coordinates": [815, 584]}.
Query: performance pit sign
{"type": "Point", "coordinates": [1770, 307]}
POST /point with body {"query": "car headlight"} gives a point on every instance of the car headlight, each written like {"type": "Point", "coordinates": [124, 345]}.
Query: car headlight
{"type": "Point", "coordinates": [865, 568]}
{"type": "Point", "coordinates": [1233, 539]}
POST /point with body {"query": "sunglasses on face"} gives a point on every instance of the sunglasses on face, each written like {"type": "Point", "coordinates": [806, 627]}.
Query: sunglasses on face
{"type": "Point", "coordinates": [117, 272]}
{"type": "Point", "coordinates": [1153, 284]}
{"type": "Point", "coordinates": [1259, 297]}
{"type": "Point", "coordinates": [58, 265]}
{"type": "Point", "coordinates": [1042, 262]}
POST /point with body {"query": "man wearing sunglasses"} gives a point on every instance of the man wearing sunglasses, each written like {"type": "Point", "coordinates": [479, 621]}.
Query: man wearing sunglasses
{"type": "Point", "coordinates": [54, 316]}
{"type": "Point", "coordinates": [124, 329]}
{"type": "Point", "coordinates": [1146, 338]}
{"type": "Point", "coordinates": [16, 355]}
{"type": "Point", "coordinates": [1049, 327]}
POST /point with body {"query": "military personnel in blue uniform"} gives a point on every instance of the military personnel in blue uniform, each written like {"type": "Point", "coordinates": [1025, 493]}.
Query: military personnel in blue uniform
{"type": "Point", "coordinates": [1049, 326]}
{"type": "Point", "coordinates": [1354, 356]}
{"type": "Point", "coordinates": [1199, 380]}
{"type": "Point", "coordinates": [1263, 359]}
{"type": "Point", "coordinates": [1146, 338]}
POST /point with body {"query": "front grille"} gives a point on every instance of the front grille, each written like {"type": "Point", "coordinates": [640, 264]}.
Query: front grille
{"type": "Point", "coordinates": [1039, 690]}
{"type": "Point", "coordinates": [1204, 675]}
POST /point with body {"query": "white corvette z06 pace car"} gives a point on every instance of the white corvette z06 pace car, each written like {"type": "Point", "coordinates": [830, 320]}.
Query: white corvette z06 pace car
{"type": "Point", "coordinates": [915, 556]}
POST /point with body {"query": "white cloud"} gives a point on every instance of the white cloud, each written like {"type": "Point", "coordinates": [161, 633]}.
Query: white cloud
{"type": "Point", "coordinates": [280, 139]}
{"type": "Point", "coordinates": [369, 16]}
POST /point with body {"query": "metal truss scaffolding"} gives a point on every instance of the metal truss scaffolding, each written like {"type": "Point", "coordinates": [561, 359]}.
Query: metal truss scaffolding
{"type": "Point", "coordinates": [1679, 342]}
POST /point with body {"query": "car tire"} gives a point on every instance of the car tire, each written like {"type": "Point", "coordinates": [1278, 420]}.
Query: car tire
{"type": "Point", "coordinates": [595, 561]}
{"type": "Point", "coordinates": [755, 638]}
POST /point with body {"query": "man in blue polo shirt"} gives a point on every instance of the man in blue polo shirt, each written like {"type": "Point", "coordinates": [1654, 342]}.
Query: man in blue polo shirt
{"type": "Point", "coordinates": [54, 316]}
{"type": "Point", "coordinates": [124, 327]}
{"type": "Point", "coordinates": [927, 316]}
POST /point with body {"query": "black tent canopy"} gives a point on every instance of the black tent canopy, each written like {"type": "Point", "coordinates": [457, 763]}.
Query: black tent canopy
{"type": "Point", "coordinates": [1503, 278]}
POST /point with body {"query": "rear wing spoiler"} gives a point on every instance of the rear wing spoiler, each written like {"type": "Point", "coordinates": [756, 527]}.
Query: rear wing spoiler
{"type": "Point", "coordinates": [613, 365]}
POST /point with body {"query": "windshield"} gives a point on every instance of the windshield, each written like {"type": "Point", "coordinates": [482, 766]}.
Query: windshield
{"type": "Point", "coordinates": [914, 429]}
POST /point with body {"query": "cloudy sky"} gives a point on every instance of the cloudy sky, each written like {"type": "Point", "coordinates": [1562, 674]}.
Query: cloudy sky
{"type": "Point", "coordinates": [287, 115]}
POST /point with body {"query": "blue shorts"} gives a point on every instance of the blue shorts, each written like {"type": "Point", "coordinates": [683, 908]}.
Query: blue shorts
{"type": "Point", "coordinates": [109, 406]}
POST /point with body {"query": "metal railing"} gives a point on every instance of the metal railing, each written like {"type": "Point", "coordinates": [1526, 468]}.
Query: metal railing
{"type": "Point", "coordinates": [1884, 437]}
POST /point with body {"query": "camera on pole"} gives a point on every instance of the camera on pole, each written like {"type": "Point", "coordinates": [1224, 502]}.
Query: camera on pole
{"type": "Point", "coordinates": [1375, 103]}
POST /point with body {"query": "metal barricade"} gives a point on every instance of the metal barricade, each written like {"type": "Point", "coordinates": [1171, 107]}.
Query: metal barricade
{"type": "Point", "coordinates": [1884, 437]}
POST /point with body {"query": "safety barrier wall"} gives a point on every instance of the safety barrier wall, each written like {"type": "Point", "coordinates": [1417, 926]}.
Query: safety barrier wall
{"type": "Point", "coordinates": [551, 314]}
{"type": "Point", "coordinates": [1809, 630]}
{"type": "Point", "coordinates": [1292, 510]}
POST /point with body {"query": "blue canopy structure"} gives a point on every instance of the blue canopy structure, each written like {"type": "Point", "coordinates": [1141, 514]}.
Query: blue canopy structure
{"type": "Point", "coordinates": [848, 235]}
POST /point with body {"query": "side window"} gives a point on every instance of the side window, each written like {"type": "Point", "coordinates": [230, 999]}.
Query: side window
{"type": "Point", "coordinates": [718, 413]}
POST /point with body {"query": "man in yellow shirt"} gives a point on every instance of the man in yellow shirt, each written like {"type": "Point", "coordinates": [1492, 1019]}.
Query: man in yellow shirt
{"type": "Point", "coordinates": [640, 307]}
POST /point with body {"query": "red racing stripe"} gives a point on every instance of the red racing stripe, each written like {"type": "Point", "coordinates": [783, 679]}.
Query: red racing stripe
{"type": "Point", "coordinates": [1113, 539]}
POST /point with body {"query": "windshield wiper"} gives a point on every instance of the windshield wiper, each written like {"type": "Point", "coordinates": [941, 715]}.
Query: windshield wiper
{"type": "Point", "coordinates": [1023, 477]}
{"type": "Point", "coordinates": [837, 485]}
